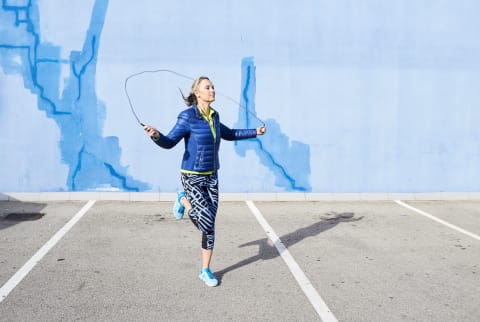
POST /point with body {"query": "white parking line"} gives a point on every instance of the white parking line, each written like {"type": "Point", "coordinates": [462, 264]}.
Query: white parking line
{"type": "Point", "coordinates": [318, 304]}
{"type": "Point", "coordinates": [30, 264]}
{"type": "Point", "coordinates": [443, 222]}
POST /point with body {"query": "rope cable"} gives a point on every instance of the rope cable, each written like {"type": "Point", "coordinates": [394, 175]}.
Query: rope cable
{"type": "Point", "coordinates": [180, 75]}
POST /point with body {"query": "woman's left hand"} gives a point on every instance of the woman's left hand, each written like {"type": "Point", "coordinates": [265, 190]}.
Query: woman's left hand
{"type": "Point", "coordinates": [261, 130]}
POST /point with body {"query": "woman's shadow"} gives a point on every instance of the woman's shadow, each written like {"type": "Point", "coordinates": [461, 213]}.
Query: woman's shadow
{"type": "Point", "coordinates": [267, 251]}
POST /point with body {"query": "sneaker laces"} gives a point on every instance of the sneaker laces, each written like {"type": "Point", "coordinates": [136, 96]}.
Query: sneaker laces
{"type": "Point", "coordinates": [209, 273]}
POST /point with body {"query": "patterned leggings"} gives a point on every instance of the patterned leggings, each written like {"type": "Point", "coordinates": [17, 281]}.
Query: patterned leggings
{"type": "Point", "coordinates": [202, 192]}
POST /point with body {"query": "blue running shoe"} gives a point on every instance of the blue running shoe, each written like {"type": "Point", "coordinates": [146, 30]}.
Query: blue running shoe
{"type": "Point", "coordinates": [207, 276]}
{"type": "Point", "coordinates": [178, 208]}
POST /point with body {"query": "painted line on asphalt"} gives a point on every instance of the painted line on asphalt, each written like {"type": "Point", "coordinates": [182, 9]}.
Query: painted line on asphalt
{"type": "Point", "coordinates": [30, 264]}
{"type": "Point", "coordinates": [441, 221]}
{"type": "Point", "coordinates": [315, 299]}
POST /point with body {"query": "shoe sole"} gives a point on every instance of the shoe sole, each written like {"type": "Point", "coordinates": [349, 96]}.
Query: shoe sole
{"type": "Point", "coordinates": [206, 283]}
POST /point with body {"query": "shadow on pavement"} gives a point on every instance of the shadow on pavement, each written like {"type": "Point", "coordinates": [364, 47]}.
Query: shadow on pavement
{"type": "Point", "coordinates": [13, 211]}
{"type": "Point", "coordinates": [267, 251]}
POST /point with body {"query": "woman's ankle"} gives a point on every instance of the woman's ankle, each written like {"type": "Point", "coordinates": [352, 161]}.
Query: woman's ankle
{"type": "Point", "coordinates": [186, 204]}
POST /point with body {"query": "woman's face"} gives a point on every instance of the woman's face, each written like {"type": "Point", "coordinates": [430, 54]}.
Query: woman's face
{"type": "Point", "coordinates": [205, 91]}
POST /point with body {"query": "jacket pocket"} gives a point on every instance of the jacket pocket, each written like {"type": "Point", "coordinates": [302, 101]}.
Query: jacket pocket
{"type": "Point", "coordinates": [199, 158]}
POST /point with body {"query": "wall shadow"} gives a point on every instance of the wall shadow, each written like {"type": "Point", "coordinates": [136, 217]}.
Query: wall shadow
{"type": "Point", "coordinates": [13, 212]}
{"type": "Point", "coordinates": [266, 251]}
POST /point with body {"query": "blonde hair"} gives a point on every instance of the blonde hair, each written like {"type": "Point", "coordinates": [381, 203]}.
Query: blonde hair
{"type": "Point", "coordinates": [191, 98]}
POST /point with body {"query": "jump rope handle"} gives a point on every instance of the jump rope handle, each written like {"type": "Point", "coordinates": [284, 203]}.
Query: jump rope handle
{"type": "Point", "coordinates": [263, 128]}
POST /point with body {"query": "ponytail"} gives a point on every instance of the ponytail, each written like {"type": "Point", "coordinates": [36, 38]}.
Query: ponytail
{"type": "Point", "coordinates": [191, 98]}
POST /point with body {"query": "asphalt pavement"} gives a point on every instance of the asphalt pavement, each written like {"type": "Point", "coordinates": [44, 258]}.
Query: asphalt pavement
{"type": "Point", "coordinates": [132, 261]}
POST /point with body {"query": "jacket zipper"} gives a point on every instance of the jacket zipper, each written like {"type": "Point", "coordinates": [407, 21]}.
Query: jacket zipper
{"type": "Point", "coordinates": [214, 139]}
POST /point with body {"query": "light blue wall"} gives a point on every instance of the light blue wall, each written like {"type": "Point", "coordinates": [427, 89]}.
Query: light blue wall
{"type": "Point", "coordinates": [358, 96]}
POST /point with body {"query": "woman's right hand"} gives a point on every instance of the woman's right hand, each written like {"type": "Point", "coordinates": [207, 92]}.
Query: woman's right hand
{"type": "Point", "coordinates": [151, 131]}
{"type": "Point", "coordinates": [261, 130]}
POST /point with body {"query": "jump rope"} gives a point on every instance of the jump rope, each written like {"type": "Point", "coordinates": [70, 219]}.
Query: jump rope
{"type": "Point", "coordinates": [183, 76]}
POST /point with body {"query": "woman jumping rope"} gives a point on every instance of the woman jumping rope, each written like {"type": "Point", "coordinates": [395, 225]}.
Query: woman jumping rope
{"type": "Point", "coordinates": [200, 127]}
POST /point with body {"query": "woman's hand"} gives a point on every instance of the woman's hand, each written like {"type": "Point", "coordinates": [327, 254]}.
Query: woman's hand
{"type": "Point", "coordinates": [261, 130]}
{"type": "Point", "coordinates": [152, 132]}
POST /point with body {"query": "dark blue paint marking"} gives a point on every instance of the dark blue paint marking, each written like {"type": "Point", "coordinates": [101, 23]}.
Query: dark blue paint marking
{"type": "Point", "coordinates": [77, 169]}
{"type": "Point", "coordinates": [93, 160]}
{"type": "Point", "coordinates": [52, 60]}
{"type": "Point", "coordinates": [84, 67]}
{"type": "Point", "coordinates": [290, 164]}
{"type": "Point", "coordinates": [122, 178]}
{"type": "Point", "coordinates": [246, 100]}
{"type": "Point", "coordinates": [279, 167]}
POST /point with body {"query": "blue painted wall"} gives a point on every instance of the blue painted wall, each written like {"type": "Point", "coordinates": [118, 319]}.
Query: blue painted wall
{"type": "Point", "coordinates": [358, 96]}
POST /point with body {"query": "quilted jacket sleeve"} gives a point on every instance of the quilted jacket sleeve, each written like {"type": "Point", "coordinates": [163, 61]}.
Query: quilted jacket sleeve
{"type": "Point", "coordinates": [237, 134]}
{"type": "Point", "coordinates": [178, 132]}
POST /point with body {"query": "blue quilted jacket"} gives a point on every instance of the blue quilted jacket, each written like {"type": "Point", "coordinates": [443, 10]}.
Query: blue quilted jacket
{"type": "Point", "coordinates": [201, 148]}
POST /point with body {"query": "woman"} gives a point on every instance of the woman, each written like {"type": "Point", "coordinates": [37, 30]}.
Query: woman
{"type": "Point", "coordinates": [200, 127]}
